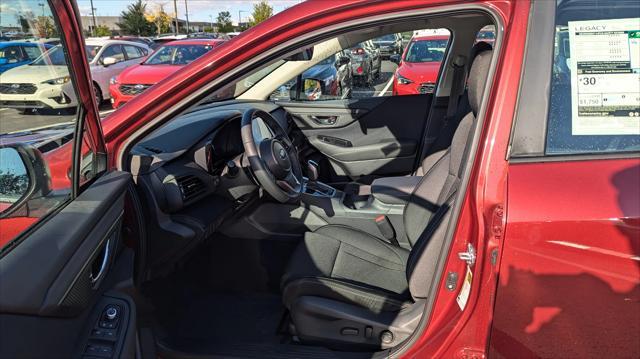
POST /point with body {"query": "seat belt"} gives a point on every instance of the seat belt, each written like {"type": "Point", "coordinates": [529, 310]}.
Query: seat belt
{"type": "Point", "coordinates": [456, 87]}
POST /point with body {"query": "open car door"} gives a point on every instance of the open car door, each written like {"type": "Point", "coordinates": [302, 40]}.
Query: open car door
{"type": "Point", "coordinates": [61, 209]}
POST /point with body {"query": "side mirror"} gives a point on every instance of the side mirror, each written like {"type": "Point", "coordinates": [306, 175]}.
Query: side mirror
{"type": "Point", "coordinates": [108, 61]}
{"type": "Point", "coordinates": [395, 59]}
{"type": "Point", "coordinates": [312, 89]}
{"type": "Point", "coordinates": [344, 60]}
{"type": "Point", "coordinates": [23, 176]}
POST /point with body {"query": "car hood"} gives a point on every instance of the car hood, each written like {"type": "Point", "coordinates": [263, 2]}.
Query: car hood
{"type": "Point", "coordinates": [319, 72]}
{"type": "Point", "coordinates": [146, 74]}
{"type": "Point", "coordinates": [33, 74]}
{"type": "Point", "coordinates": [420, 72]}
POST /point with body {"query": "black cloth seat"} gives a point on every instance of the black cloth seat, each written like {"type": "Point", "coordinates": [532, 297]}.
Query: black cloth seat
{"type": "Point", "coordinates": [344, 263]}
{"type": "Point", "coordinates": [338, 274]}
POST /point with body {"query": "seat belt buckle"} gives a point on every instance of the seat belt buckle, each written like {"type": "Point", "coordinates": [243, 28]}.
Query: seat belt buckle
{"type": "Point", "coordinates": [386, 229]}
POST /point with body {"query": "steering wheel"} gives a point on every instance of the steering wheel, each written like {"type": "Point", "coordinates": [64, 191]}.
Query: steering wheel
{"type": "Point", "coordinates": [274, 161]}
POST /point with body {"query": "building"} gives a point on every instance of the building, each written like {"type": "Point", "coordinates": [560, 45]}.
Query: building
{"type": "Point", "coordinates": [112, 23]}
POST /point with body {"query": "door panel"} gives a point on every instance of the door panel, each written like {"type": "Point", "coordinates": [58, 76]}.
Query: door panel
{"type": "Point", "coordinates": [369, 136]}
{"type": "Point", "coordinates": [570, 269]}
{"type": "Point", "coordinates": [53, 278]}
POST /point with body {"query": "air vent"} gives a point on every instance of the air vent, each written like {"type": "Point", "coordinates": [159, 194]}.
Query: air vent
{"type": "Point", "coordinates": [152, 149]}
{"type": "Point", "coordinates": [191, 187]}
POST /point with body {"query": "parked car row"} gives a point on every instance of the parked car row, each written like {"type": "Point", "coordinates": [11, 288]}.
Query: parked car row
{"type": "Point", "coordinates": [23, 65]}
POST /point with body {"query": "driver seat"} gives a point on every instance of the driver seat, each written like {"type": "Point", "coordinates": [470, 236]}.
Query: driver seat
{"type": "Point", "coordinates": [345, 287]}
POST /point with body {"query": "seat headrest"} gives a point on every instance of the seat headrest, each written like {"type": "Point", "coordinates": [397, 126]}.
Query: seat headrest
{"type": "Point", "coordinates": [478, 74]}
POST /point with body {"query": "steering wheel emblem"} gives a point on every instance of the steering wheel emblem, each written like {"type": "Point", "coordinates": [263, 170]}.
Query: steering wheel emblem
{"type": "Point", "coordinates": [282, 153]}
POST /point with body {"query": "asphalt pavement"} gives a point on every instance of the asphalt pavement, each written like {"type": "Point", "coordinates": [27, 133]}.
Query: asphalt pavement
{"type": "Point", "coordinates": [12, 120]}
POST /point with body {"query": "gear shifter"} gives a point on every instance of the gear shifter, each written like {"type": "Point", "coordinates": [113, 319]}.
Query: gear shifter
{"type": "Point", "coordinates": [312, 171]}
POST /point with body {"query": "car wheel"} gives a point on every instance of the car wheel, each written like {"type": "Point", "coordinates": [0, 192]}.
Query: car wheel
{"type": "Point", "coordinates": [98, 94]}
{"type": "Point", "coordinates": [369, 80]}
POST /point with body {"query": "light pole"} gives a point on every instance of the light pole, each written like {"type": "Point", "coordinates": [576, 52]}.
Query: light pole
{"type": "Point", "coordinates": [42, 6]}
{"type": "Point", "coordinates": [240, 17]}
{"type": "Point", "coordinates": [175, 18]}
{"type": "Point", "coordinates": [186, 14]}
{"type": "Point", "coordinates": [93, 16]}
{"type": "Point", "coordinates": [211, 17]}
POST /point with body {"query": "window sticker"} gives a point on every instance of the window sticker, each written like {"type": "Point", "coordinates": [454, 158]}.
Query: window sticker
{"type": "Point", "coordinates": [605, 76]}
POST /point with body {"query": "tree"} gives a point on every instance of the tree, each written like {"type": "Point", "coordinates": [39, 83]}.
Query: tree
{"type": "Point", "coordinates": [224, 22]}
{"type": "Point", "coordinates": [160, 18]}
{"type": "Point", "coordinates": [103, 30]}
{"type": "Point", "coordinates": [261, 12]}
{"type": "Point", "coordinates": [44, 27]}
{"type": "Point", "coordinates": [134, 21]}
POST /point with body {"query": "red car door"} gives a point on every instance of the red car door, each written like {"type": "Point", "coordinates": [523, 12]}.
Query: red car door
{"type": "Point", "coordinates": [58, 268]}
{"type": "Point", "coordinates": [569, 281]}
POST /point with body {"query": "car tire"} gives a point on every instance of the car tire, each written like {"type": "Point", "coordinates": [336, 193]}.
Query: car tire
{"type": "Point", "coordinates": [98, 94]}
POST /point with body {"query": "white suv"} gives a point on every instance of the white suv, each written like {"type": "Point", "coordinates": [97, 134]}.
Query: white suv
{"type": "Point", "coordinates": [44, 83]}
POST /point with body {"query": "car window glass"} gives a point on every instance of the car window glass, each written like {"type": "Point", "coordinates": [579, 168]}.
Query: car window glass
{"type": "Point", "coordinates": [38, 110]}
{"type": "Point", "coordinates": [114, 51]}
{"type": "Point", "coordinates": [177, 54]}
{"type": "Point", "coordinates": [32, 52]}
{"type": "Point", "coordinates": [11, 54]}
{"type": "Point", "coordinates": [132, 52]}
{"type": "Point", "coordinates": [595, 85]}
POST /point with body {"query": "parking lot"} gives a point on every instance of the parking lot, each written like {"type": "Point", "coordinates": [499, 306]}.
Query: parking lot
{"type": "Point", "coordinates": [12, 120]}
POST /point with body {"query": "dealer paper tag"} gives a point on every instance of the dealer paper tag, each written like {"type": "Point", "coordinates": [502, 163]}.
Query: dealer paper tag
{"type": "Point", "coordinates": [605, 76]}
{"type": "Point", "coordinates": [463, 296]}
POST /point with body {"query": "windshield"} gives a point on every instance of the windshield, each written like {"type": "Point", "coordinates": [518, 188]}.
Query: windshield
{"type": "Point", "coordinates": [389, 37]}
{"type": "Point", "coordinates": [55, 56]}
{"type": "Point", "coordinates": [426, 51]}
{"type": "Point", "coordinates": [91, 51]}
{"type": "Point", "coordinates": [177, 54]}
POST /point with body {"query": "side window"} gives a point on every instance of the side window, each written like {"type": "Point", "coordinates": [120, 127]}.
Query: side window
{"type": "Point", "coordinates": [595, 85]}
{"type": "Point", "coordinates": [114, 51]}
{"type": "Point", "coordinates": [11, 55]}
{"type": "Point", "coordinates": [39, 109]}
{"type": "Point", "coordinates": [387, 65]}
{"type": "Point", "coordinates": [33, 52]}
{"type": "Point", "coordinates": [133, 52]}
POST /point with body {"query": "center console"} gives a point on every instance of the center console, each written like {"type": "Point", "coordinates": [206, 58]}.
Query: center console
{"type": "Point", "coordinates": [366, 212]}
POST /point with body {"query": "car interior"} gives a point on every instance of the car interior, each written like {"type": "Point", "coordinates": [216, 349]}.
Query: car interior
{"type": "Point", "coordinates": [297, 227]}
{"type": "Point", "coordinates": [278, 227]}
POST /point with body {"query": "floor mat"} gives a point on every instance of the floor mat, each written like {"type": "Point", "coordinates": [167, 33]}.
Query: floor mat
{"type": "Point", "coordinates": [228, 318]}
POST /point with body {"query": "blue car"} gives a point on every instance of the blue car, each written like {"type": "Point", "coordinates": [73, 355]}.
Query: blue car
{"type": "Point", "coordinates": [14, 53]}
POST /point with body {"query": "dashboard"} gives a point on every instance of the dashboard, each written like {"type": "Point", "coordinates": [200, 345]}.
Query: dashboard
{"type": "Point", "coordinates": [192, 175]}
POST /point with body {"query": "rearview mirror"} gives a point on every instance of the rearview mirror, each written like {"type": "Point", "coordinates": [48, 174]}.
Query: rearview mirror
{"type": "Point", "coordinates": [304, 55]}
{"type": "Point", "coordinates": [395, 59]}
{"type": "Point", "coordinates": [108, 61]}
{"type": "Point", "coordinates": [344, 60]}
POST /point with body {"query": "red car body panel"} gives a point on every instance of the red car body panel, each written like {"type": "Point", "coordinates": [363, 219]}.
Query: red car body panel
{"type": "Point", "coordinates": [418, 72]}
{"type": "Point", "coordinates": [570, 272]}
{"type": "Point", "coordinates": [151, 74]}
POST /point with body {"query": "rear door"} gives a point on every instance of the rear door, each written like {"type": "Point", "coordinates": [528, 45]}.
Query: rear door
{"type": "Point", "coordinates": [569, 281]}
{"type": "Point", "coordinates": [60, 230]}
{"type": "Point", "coordinates": [371, 133]}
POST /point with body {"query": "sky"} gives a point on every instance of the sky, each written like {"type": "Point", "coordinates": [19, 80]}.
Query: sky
{"type": "Point", "coordinates": [199, 10]}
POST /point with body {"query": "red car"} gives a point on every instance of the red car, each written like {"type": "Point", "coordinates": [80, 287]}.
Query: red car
{"type": "Point", "coordinates": [419, 65]}
{"type": "Point", "coordinates": [206, 220]}
{"type": "Point", "coordinates": [164, 61]}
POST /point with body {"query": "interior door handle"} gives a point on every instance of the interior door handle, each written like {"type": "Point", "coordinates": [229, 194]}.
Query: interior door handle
{"type": "Point", "coordinates": [102, 262]}
{"type": "Point", "coordinates": [324, 120]}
